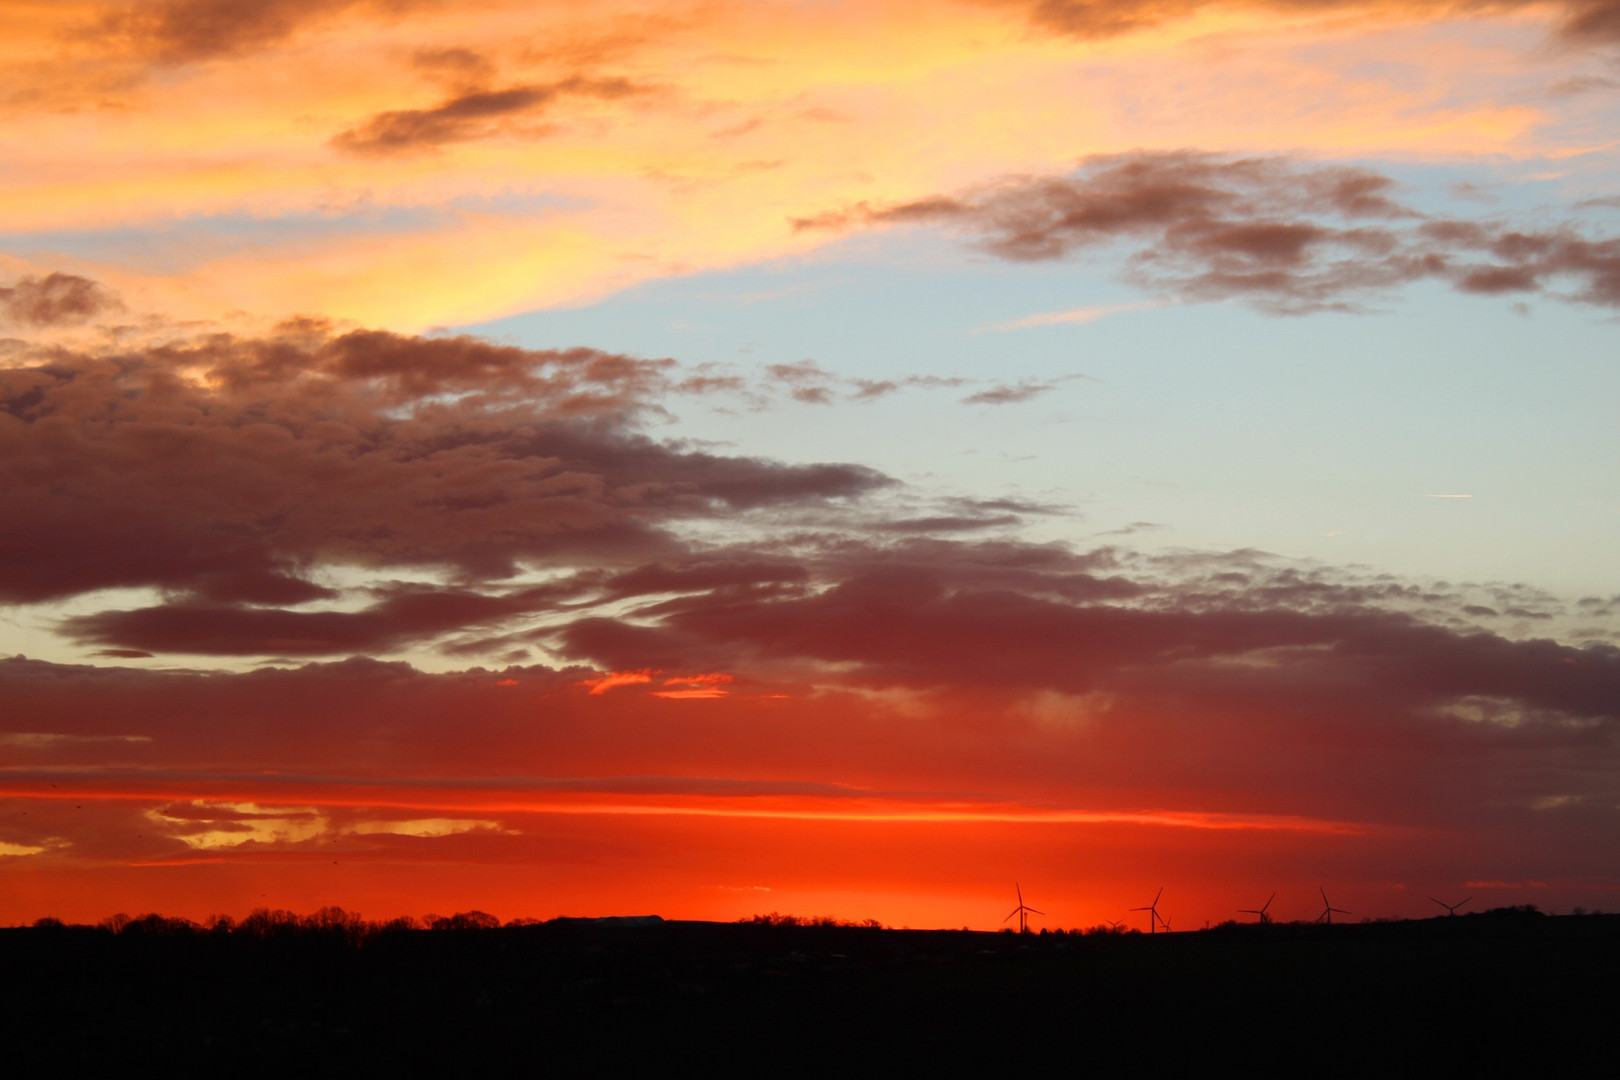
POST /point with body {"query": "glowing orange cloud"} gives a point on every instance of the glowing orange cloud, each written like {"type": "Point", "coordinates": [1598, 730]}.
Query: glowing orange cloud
{"type": "Point", "coordinates": [696, 687]}
{"type": "Point", "coordinates": [617, 678]}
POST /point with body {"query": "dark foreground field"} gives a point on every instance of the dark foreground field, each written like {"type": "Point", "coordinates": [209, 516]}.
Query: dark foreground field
{"type": "Point", "coordinates": [1511, 993]}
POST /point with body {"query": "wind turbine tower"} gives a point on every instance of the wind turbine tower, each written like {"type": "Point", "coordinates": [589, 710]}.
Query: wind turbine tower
{"type": "Point", "coordinates": [1153, 911]}
{"type": "Point", "coordinates": [1261, 911]}
{"type": "Point", "coordinates": [1023, 911]}
{"type": "Point", "coordinates": [1328, 909]}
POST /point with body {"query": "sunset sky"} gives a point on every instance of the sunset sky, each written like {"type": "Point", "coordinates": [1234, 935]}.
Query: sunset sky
{"type": "Point", "coordinates": [584, 458]}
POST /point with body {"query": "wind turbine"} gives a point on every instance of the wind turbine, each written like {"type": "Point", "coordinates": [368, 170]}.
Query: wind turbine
{"type": "Point", "coordinates": [1152, 910]}
{"type": "Point", "coordinates": [1451, 909]}
{"type": "Point", "coordinates": [1264, 918]}
{"type": "Point", "coordinates": [1113, 926]}
{"type": "Point", "coordinates": [1023, 911]}
{"type": "Point", "coordinates": [1327, 908]}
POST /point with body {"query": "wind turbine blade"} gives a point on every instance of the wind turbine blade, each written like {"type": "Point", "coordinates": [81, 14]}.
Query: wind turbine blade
{"type": "Point", "coordinates": [1441, 903]}
{"type": "Point", "coordinates": [1011, 913]}
{"type": "Point", "coordinates": [1032, 911]}
{"type": "Point", "coordinates": [1157, 895]}
{"type": "Point", "coordinates": [1464, 900]}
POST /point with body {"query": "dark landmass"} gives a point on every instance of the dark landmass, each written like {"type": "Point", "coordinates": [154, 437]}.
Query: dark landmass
{"type": "Point", "coordinates": [1508, 991]}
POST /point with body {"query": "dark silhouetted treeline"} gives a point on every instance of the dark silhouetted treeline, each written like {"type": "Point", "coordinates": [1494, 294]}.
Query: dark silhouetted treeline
{"type": "Point", "coordinates": [333, 922]}
{"type": "Point", "coordinates": [279, 994]}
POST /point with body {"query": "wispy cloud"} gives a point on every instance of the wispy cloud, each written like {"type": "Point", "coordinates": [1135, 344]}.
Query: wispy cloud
{"type": "Point", "coordinates": [473, 114]}
{"type": "Point", "coordinates": [1074, 316]}
{"type": "Point", "coordinates": [37, 740]}
{"type": "Point", "coordinates": [1019, 392]}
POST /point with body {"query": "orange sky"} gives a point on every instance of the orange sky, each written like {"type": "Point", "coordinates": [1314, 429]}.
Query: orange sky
{"type": "Point", "coordinates": [727, 119]}
{"type": "Point", "coordinates": [349, 785]}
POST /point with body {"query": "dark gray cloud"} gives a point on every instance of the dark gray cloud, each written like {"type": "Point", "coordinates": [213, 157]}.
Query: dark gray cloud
{"type": "Point", "coordinates": [201, 628]}
{"type": "Point", "coordinates": [1027, 618]}
{"type": "Point", "coordinates": [1010, 393]}
{"type": "Point", "coordinates": [56, 299]}
{"type": "Point", "coordinates": [893, 660]}
{"type": "Point", "coordinates": [456, 64]}
{"type": "Point", "coordinates": [1591, 21]}
{"type": "Point", "coordinates": [473, 114]}
{"type": "Point", "coordinates": [231, 471]}
{"type": "Point", "coordinates": [806, 381]}
{"type": "Point", "coordinates": [1581, 21]}
{"type": "Point", "coordinates": [948, 524]}
{"type": "Point", "coordinates": [172, 32]}
{"type": "Point", "coordinates": [188, 31]}
{"type": "Point", "coordinates": [809, 383]}
{"type": "Point", "coordinates": [1284, 235]}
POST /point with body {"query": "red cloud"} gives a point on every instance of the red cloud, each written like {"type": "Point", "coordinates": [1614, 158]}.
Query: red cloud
{"type": "Point", "coordinates": [947, 707]}
{"type": "Point", "coordinates": [918, 681]}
